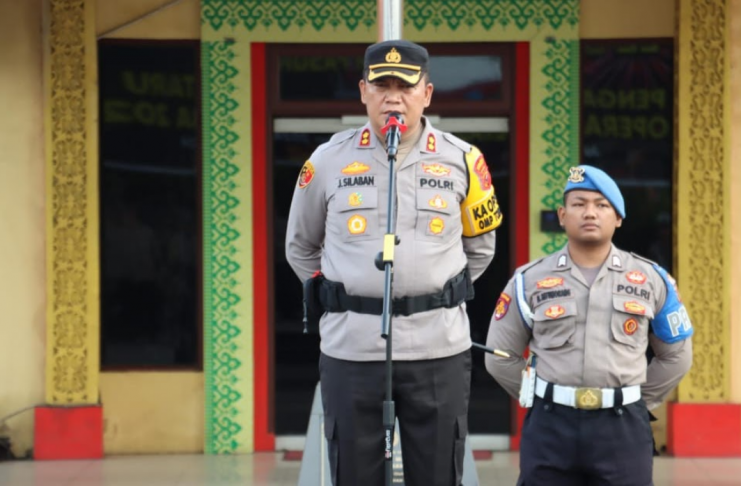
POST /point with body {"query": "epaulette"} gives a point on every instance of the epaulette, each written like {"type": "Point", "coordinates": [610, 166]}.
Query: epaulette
{"type": "Point", "coordinates": [461, 144]}
{"type": "Point", "coordinates": [343, 135]}
{"type": "Point", "coordinates": [525, 312]}
{"type": "Point", "coordinates": [652, 263]}
{"type": "Point", "coordinates": [336, 139]}
{"type": "Point", "coordinates": [529, 265]}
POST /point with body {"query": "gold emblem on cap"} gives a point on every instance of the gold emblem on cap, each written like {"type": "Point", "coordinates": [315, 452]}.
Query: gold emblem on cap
{"type": "Point", "coordinates": [393, 55]}
{"type": "Point", "coordinates": [576, 175]}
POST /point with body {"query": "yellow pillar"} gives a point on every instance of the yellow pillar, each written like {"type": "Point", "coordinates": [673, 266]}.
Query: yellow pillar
{"type": "Point", "coordinates": [734, 43]}
{"type": "Point", "coordinates": [703, 192]}
{"type": "Point", "coordinates": [72, 224]}
{"type": "Point", "coordinates": [704, 422]}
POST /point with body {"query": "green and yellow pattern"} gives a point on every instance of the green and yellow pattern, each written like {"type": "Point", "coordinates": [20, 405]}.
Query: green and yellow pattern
{"type": "Point", "coordinates": [228, 28]}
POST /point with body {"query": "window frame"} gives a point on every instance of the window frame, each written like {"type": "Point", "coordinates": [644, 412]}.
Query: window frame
{"type": "Point", "coordinates": [283, 108]}
{"type": "Point", "coordinates": [198, 166]}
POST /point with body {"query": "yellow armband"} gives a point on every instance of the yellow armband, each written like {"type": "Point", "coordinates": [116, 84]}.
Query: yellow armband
{"type": "Point", "coordinates": [480, 211]}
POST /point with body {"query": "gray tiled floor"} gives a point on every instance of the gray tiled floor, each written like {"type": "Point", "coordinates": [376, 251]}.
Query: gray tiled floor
{"type": "Point", "coordinates": [270, 469]}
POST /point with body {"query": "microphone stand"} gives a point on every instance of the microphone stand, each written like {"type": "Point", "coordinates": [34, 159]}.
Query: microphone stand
{"type": "Point", "coordinates": [385, 261]}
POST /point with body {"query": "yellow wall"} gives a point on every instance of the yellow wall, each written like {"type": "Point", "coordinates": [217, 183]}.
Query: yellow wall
{"type": "Point", "coordinates": [614, 19]}
{"type": "Point", "coordinates": [136, 418]}
{"type": "Point", "coordinates": [149, 413]}
{"type": "Point", "coordinates": [181, 20]}
{"type": "Point", "coordinates": [22, 223]}
{"type": "Point", "coordinates": [734, 44]}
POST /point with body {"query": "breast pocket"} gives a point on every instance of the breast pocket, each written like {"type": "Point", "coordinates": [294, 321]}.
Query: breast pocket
{"type": "Point", "coordinates": [630, 320]}
{"type": "Point", "coordinates": [438, 218]}
{"type": "Point", "coordinates": [354, 213]}
{"type": "Point", "coordinates": [554, 324]}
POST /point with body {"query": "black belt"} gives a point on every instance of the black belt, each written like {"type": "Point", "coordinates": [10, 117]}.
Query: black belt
{"type": "Point", "coordinates": [457, 290]}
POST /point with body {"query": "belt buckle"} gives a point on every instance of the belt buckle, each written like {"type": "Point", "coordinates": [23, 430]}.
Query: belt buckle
{"type": "Point", "coordinates": [588, 398]}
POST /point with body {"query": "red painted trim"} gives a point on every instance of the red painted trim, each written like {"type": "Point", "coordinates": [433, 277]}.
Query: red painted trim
{"type": "Point", "coordinates": [703, 429]}
{"type": "Point", "coordinates": [522, 190]}
{"type": "Point", "coordinates": [522, 150]}
{"type": "Point", "coordinates": [264, 432]}
{"type": "Point", "coordinates": [74, 432]}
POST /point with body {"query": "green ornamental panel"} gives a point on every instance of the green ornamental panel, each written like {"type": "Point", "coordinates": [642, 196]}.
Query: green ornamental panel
{"type": "Point", "coordinates": [424, 20]}
{"type": "Point", "coordinates": [505, 19]}
{"type": "Point", "coordinates": [227, 254]}
{"type": "Point", "coordinates": [554, 132]}
{"type": "Point", "coordinates": [228, 28]}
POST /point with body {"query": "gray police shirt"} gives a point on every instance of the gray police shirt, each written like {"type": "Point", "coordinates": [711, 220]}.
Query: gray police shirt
{"type": "Point", "coordinates": [591, 336]}
{"type": "Point", "coordinates": [337, 222]}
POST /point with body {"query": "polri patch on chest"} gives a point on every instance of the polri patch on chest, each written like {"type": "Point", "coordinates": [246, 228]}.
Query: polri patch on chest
{"type": "Point", "coordinates": [633, 291]}
{"type": "Point", "coordinates": [428, 183]}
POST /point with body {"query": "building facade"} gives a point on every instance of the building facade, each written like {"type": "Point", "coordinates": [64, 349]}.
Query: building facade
{"type": "Point", "coordinates": [233, 395]}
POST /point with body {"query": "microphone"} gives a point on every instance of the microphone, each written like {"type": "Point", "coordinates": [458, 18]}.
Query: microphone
{"type": "Point", "coordinates": [393, 129]}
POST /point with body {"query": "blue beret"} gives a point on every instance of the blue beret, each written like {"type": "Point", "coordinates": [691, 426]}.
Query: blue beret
{"type": "Point", "coordinates": [588, 178]}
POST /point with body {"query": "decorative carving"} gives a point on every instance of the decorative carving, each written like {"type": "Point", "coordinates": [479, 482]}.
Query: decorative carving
{"type": "Point", "coordinates": [419, 14]}
{"type": "Point", "coordinates": [266, 14]}
{"type": "Point", "coordinates": [703, 161]}
{"type": "Point", "coordinates": [70, 227]}
{"type": "Point", "coordinates": [220, 246]}
{"type": "Point", "coordinates": [491, 14]}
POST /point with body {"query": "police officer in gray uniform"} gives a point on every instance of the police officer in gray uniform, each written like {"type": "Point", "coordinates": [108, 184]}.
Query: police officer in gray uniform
{"type": "Point", "coordinates": [588, 314]}
{"type": "Point", "coordinates": [447, 214]}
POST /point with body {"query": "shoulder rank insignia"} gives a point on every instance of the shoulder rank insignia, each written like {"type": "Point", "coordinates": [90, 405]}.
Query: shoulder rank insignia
{"type": "Point", "coordinates": [306, 175]}
{"type": "Point", "coordinates": [355, 168]}
{"type": "Point", "coordinates": [365, 138]}
{"type": "Point", "coordinates": [431, 143]}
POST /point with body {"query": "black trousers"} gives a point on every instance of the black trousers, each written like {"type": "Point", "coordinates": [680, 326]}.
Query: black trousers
{"type": "Point", "coordinates": [563, 446]}
{"type": "Point", "coordinates": [431, 398]}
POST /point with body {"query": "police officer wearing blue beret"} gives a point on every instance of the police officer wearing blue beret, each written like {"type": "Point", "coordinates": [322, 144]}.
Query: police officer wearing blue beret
{"type": "Point", "coordinates": [588, 314]}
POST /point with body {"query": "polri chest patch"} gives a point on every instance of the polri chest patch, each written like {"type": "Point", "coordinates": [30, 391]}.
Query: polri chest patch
{"type": "Point", "coordinates": [429, 183]}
